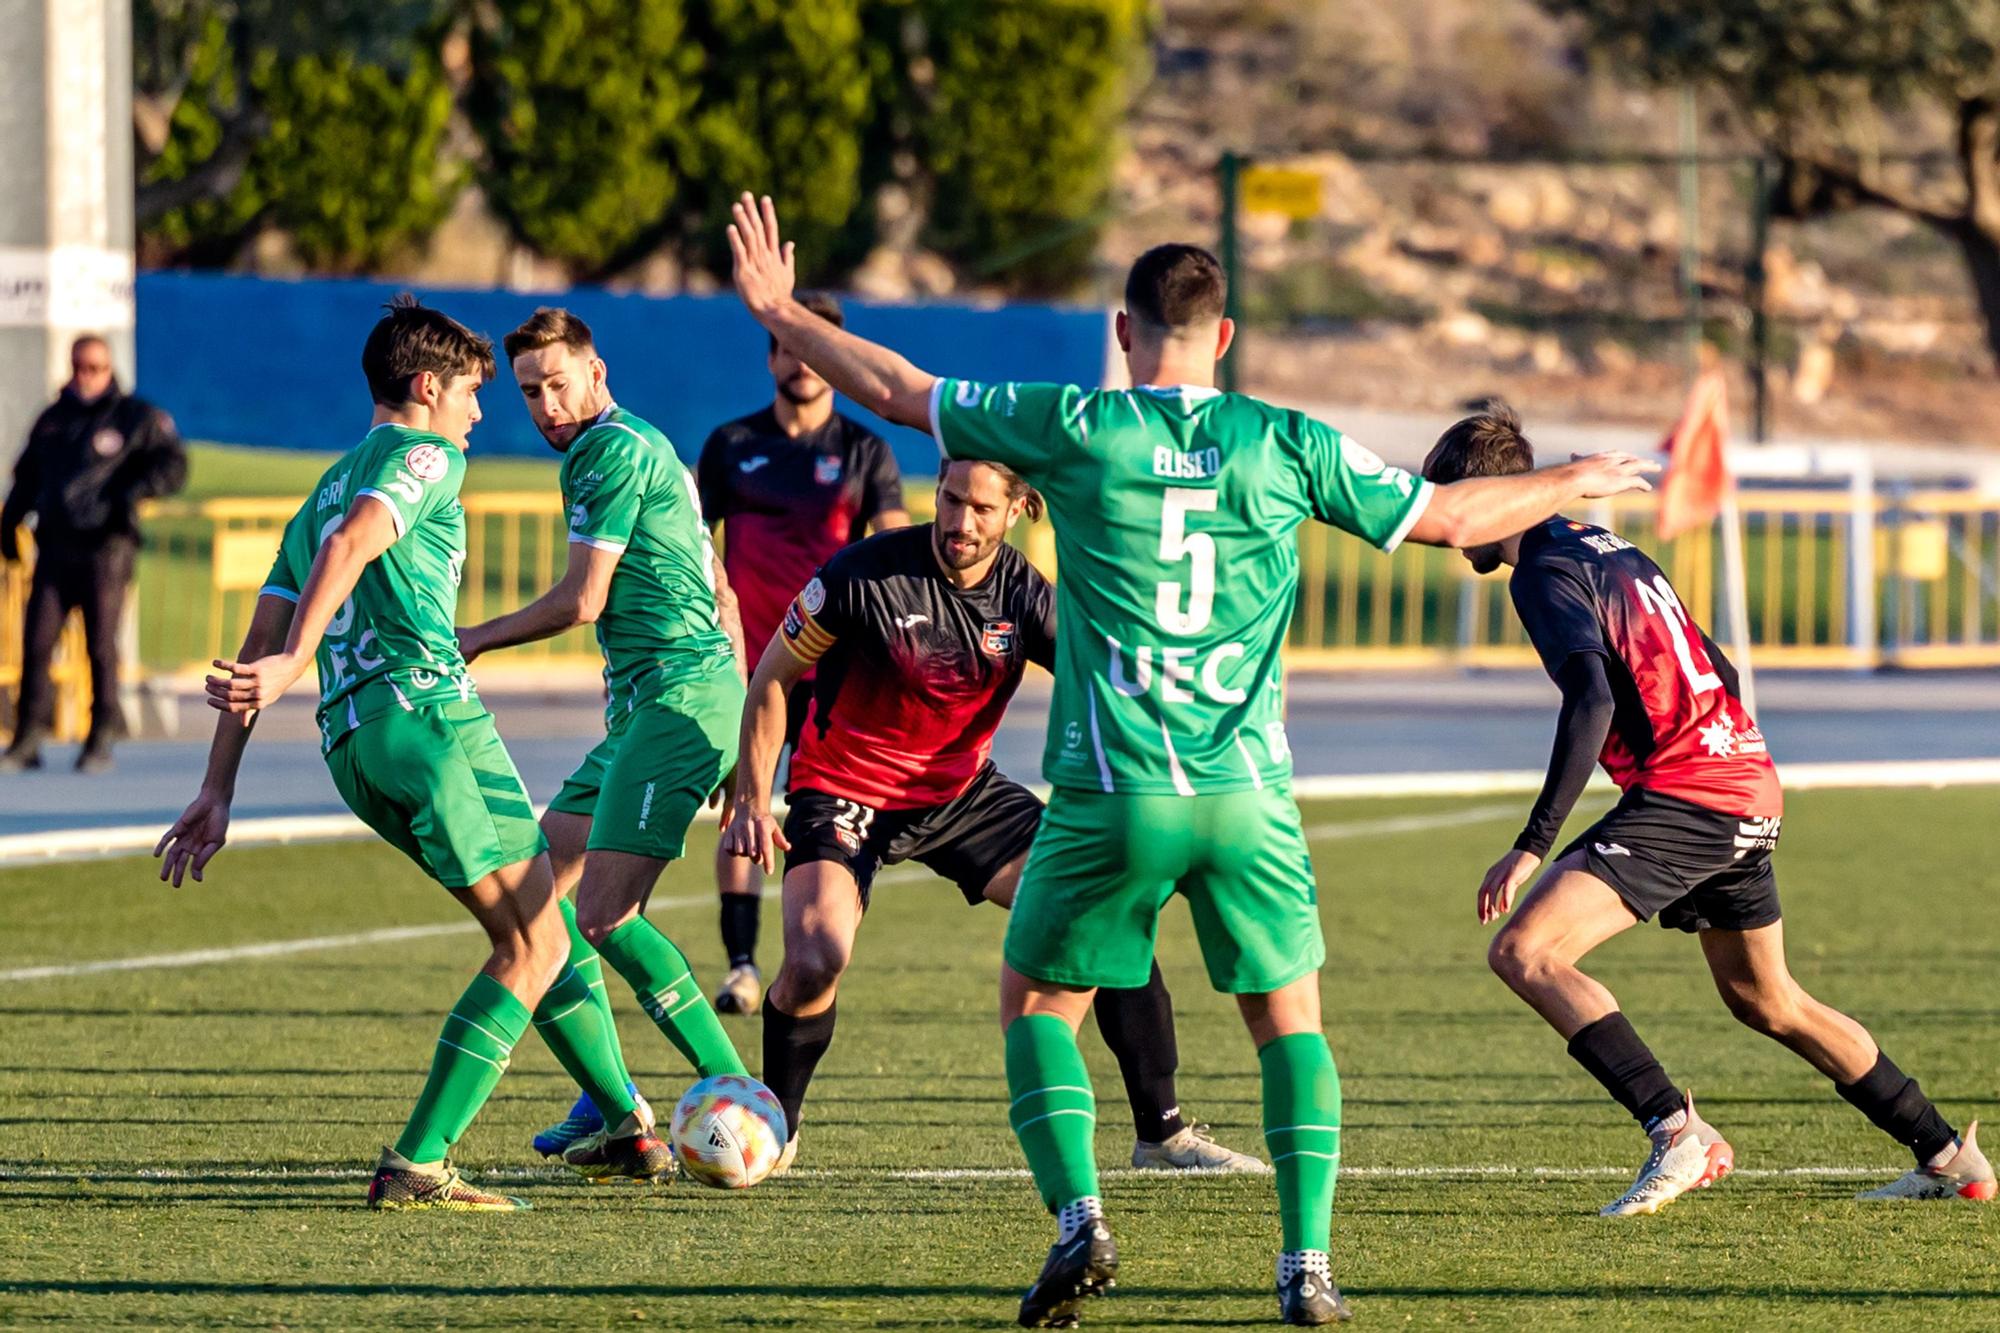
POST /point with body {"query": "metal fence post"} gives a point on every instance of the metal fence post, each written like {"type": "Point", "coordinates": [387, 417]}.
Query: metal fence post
{"type": "Point", "coordinates": [1228, 180]}
{"type": "Point", "coordinates": [1753, 281]}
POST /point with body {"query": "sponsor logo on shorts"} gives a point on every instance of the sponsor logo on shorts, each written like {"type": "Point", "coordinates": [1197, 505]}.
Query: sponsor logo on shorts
{"type": "Point", "coordinates": [646, 805]}
{"type": "Point", "coordinates": [826, 471]}
{"type": "Point", "coordinates": [1755, 835]}
{"type": "Point", "coordinates": [997, 638]}
{"type": "Point", "coordinates": [1610, 849]}
{"type": "Point", "coordinates": [426, 462]}
{"type": "Point", "coordinates": [814, 596]}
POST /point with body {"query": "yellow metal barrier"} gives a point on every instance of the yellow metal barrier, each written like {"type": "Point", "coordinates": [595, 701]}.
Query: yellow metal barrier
{"type": "Point", "coordinates": [1931, 573]}
{"type": "Point", "coordinates": [69, 670]}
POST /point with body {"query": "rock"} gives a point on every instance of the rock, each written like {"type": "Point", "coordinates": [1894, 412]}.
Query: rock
{"type": "Point", "coordinates": [1512, 206]}
{"type": "Point", "coordinates": [1463, 328]}
{"type": "Point", "coordinates": [1814, 375]}
{"type": "Point", "coordinates": [1612, 358]}
{"type": "Point", "coordinates": [1545, 353]}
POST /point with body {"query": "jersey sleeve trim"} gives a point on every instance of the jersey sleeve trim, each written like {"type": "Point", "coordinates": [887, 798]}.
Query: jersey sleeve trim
{"type": "Point", "coordinates": [937, 420]}
{"type": "Point", "coordinates": [600, 543]}
{"type": "Point", "coordinates": [273, 590]}
{"type": "Point", "coordinates": [1418, 504]}
{"type": "Point", "coordinates": [394, 513]}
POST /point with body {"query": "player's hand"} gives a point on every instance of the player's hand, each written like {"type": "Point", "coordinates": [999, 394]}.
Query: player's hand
{"type": "Point", "coordinates": [756, 836]}
{"type": "Point", "coordinates": [250, 686]}
{"type": "Point", "coordinates": [1503, 881]}
{"type": "Point", "coordinates": [764, 270]}
{"type": "Point", "coordinates": [195, 837]}
{"type": "Point", "coordinates": [1599, 476]}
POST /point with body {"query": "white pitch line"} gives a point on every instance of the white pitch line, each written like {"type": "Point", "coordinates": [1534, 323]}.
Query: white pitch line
{"type": "Point", "coordinates": [1365, 828]}
{"type": "Point", "coordinates": [281, 948]}
{"type": "Point", "coordinates": [1470, 1171]}
{"type": "Point", "coordinates": [313, 944]}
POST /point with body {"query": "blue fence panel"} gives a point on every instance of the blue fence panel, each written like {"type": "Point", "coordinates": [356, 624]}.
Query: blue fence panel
{"type": "Point", "coordinates": [263, 361]}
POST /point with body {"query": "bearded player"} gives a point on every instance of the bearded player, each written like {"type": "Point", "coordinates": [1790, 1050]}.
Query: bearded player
{"type": "Point", "coordinates": [363, 589]}
{"type": "Point", "coordinates": [641, 571]}
{"type": "Point", "coordinates": [1176, 509]}
{"type": "Point", "coordinates": [920, 637]}
{"type": "Point", "coordinates": [1648, 694]}
{"type": "Point", "coordinates": [789, 485]}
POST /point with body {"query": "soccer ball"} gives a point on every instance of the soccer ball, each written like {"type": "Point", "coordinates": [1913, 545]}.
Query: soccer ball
{"type": "Point", "coordinates": [728, 1131]}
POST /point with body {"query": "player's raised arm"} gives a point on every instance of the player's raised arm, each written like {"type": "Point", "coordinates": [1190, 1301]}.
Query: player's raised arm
{"type": "Point", "coordinates": [369, 529]}
{"type": "Point", "coordinates": [202, 828]}
{"type": "Point", "coordinates": [1478, 510]}
{"type": "Point", "coordinates": [884, 382]}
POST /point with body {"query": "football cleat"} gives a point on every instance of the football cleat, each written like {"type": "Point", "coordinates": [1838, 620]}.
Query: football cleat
{"type": "Point", "coordinates": [639, 1156]}
{"type": "Point", "coordinates": [1693, 1157]}
{"type": "Point", "coordinates": [1309, 1300]}
{"type": "Point", "coordinates": [1193, 1148]}
{"type": "Point", "coordinates": [741, 991]}
{"type": "Point", "coordinates": [1077, 1269]}
{"type": "Point", "coordinates": [582, 1121]}
{"type": "Point", "coordinates": [1968, 1175]}
{"type": "Point", "coordinates": [401, 1183]}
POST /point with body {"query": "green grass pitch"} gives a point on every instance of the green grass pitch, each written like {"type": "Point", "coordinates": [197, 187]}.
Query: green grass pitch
{"type": "Point", "coordinates": [187, 1145]}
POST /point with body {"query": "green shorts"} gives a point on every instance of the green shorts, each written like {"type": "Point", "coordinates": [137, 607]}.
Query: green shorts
{"type": "Point", "coordinates": [642, 785]}
{"type": "Point", "coordinates": [1104, 865]}
{"type": "Point", "coordinates": [439, 787]}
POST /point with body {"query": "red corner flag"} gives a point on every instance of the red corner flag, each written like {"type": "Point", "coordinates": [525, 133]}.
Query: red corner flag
{"type": "Point", "coordinates": [1697, 470]}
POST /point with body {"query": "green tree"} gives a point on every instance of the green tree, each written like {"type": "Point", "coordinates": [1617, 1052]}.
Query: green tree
{"type": "Point", "coordinates": [1020, 126]}
{"type": "Point", "coordinates": [582, 105]}
{"type": "Point", "coordinates": [785, 103]}
{"type": "Point", "coordinates": [1829, 85]}
{"type": "Point", "coordinates": [327, 119]}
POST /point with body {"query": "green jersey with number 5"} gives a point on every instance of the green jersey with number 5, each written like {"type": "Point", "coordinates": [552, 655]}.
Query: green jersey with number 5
{"type": "Point", "coordinates": [627, 491]}
{"type": "Point", "coordinates": [392, 644]}
{"type": "Point", "coordinates": [1175, 513]}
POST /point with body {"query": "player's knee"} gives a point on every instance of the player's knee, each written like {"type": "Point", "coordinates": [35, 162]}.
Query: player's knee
{"type": "Point", "coordinates": [813, 965]}
{"type": "Point", "coordinates": [1772, 1011]}
{"type": "Point", "coordinates": [595, 920]}
{"type": "Point", "coordinates": [1512, 957]}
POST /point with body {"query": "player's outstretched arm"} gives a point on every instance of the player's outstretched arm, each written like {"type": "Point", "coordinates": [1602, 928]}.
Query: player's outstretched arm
{"type": "Point", "coordinates": [576, 599]}
{"type": "Point", "coordinates": [203, 827]}
{"type": "Point", "coordinates": [882, 381]}
{"type": "Point", "coordinates": [752, 831]}
{"type": "Point", "coordinates": [1581, 729]}
{"type": "Point", "coordinates": [1479, 510]}
{"type": "Point", "coordinates": [368, 530]}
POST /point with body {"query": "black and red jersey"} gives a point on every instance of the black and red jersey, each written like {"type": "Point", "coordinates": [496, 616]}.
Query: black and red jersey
{"type": "Point", "coordinates": [1677, 726]}
{"type": "Point", "coordinates": [787, 503]}
{"type": "Point", "coordinates": [914, 673]}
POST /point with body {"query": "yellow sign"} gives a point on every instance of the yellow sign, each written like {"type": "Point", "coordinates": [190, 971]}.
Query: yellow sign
{"type": "Point", "coordinates": [1283, 190]}
{"type": "Point", "coordinates": [1919, 549]}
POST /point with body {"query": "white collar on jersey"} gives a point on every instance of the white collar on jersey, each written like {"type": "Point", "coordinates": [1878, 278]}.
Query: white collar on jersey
{"type": "Point", "coordinates": [1193, 393]}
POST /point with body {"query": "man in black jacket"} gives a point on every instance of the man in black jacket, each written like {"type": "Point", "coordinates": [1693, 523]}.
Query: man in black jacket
{"type": "Point", "coordinates": [92, 456]}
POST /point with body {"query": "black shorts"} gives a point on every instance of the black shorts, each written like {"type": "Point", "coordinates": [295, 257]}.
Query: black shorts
{"type": "Point", "coordinates": [1696, 868]}
{"type": "Point", "coordinates": [967, 840]}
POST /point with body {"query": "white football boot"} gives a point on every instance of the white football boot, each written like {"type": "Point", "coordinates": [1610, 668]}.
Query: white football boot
{"type": "Point", "coordinates": [1193, 1148]}
{"type": "Point", "coordinates": [741, 991]}
{"type": "Point", "coordinates": [1967, 1175]}
{"type": "Point", "coordinates": [1693, 1157]}
{"type": "Point", "coordinates": [786, 1158]}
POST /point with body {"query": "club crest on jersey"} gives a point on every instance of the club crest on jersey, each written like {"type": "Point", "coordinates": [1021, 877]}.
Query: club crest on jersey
{"type": "Point", "coordinates": [426, 462]}
{"type": "Point", "coordinates": [826, 471]}
{"type": "Point", "coordinates": [997, 638]}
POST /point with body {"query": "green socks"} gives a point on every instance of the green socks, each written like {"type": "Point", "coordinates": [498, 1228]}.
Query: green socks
{"type": "Point", "coordinates": [571, 1021]}
{"type": "Point", "coordinates": [1052, 1109]}
{"type": "Point", "coordinates": [591, 968]}
{"type": "Point", "coordinates": [472, 1050]}
{"type": "Point", "coordinates": [660, 975]}
{"type": "Point", "coordinates": [1302, 1130]}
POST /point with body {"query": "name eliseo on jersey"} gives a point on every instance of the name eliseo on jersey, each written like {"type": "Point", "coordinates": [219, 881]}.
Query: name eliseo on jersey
{"type": "Point", "coordinates": [1175, 512]}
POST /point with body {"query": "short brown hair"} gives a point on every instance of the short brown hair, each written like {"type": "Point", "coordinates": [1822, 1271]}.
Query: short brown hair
{"type": "Point", "coordinates": [412, 338]}
{"type": "Point", "coordinates": [822, 304]}
{"type": "Point", "coordinates": [548, 326]}
{"type": "Point", "coordinates": [1176, 286]}
{"type": "Point", "coordinates": [1489, 443]}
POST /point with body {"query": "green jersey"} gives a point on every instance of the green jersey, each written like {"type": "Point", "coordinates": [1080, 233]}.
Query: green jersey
{"type": "Point", "coordinates": [391, 645]}
{"type": "Point", "coordinates": [1175, 512]}
{"type": "Point", "coordinates": [627, 491]}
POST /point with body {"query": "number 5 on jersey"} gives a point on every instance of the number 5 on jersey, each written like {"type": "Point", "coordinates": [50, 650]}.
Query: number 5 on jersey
{"type": "Point", "coordinates": [1178, 544]}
